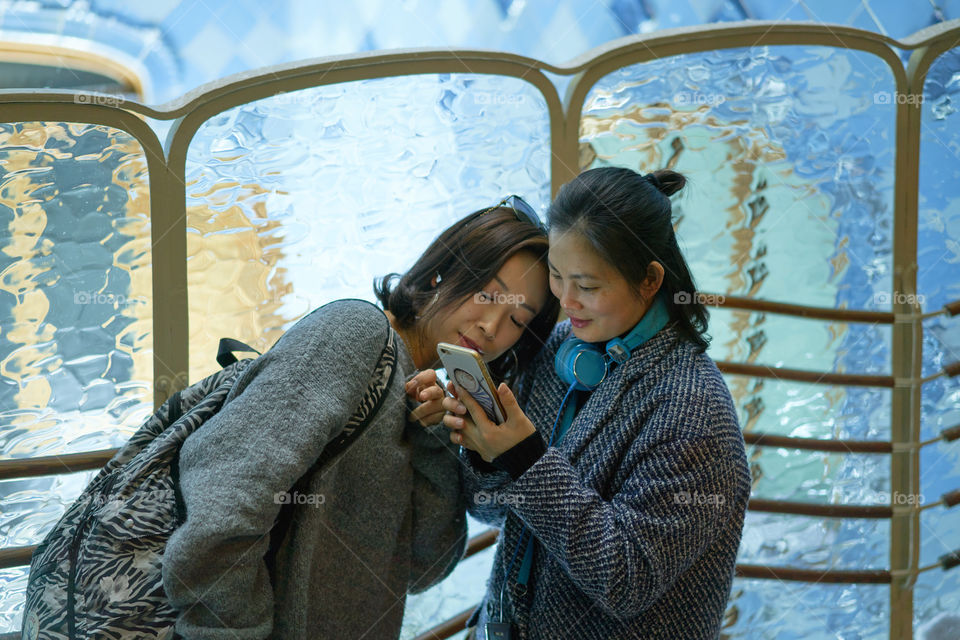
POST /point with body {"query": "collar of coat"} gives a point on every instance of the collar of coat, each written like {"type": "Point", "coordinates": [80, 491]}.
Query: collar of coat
{"type": "Point", "coordinates": [607, 399]}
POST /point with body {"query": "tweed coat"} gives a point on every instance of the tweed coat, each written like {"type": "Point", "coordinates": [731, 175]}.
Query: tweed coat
{"type": "Point", "coordinates": [638, 512]}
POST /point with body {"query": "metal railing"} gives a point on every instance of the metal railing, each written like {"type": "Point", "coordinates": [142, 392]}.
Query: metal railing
{"type": "Point", "coordinates": [166, 169]}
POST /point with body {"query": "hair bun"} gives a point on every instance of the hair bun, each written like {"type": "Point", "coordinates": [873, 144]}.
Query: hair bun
{"type": "Point", "coordinates": [668, 182]}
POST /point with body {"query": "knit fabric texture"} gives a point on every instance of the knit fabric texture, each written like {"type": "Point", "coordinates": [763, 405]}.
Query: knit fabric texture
{"type": "Point", "coordinates": [382, 519]}
{"type": "Point", "coordinates": [637, 514]}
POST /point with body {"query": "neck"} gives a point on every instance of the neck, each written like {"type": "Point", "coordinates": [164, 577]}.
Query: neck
{"type": "Point", "coordinates": [423, 356]}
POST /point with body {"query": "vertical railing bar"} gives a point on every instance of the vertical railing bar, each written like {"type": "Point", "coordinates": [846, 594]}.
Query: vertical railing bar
{"type": "Point", "coordinates": [171, 340]}
{"type": "Point", "coordinates": [908, 338]}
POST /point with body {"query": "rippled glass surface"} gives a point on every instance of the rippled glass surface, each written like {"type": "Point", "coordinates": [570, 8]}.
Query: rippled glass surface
{"type": "Point", "coordinates": [75, 313]}
{"type": "Point", "coordinates": [789, 154]}
{"type": "Point", "coordinates": [815, 543]}
{"type": "Point", "coordinates": [304, 198]}
{"type": "Point", "coordinates": [30, 509]}
{"type": "Point", "coordinates": [771, 339]}
{"type": "Point", "coordinates": [75, 277]}
{"type": "Point", "coordinates": [938, 281]}
{"type": "Point", "coordinates": [775, 610]}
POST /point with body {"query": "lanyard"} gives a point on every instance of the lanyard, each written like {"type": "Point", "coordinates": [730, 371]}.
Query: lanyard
{"type": "Point", "coordinates": [568, 414]}
{"type": "Point", "coordinates": [565, 419]}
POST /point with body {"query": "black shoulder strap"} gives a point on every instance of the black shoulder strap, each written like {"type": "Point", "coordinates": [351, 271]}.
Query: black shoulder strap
{"type": "Point", "coordinates": [373, 398]}
{"type": "Point", "coordinates": [225, 351]}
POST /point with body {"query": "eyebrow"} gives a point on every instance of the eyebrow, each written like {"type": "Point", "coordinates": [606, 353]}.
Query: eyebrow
{"type": "Point", "coordinates": [575, 276]}
{"type": "Point", "coordinates": [507, 290]}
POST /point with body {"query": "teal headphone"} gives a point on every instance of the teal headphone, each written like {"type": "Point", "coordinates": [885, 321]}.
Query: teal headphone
{"type": "Point", "coordinates": [584, 365]}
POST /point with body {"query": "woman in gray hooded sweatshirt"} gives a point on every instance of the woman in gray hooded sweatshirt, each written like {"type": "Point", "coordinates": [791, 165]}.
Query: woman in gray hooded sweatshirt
{"type": "Point", "coordinates": [386, 517]}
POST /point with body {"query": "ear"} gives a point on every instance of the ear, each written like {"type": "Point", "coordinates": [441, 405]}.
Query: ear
{"type": "Point", "coordinates": [651, 284]}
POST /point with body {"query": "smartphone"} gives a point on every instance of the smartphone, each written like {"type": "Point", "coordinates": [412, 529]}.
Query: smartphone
{"type": "Point", "coordinates": [466, 368]}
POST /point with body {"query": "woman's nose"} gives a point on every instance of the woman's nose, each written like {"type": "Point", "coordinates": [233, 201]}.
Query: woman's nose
{"type": "Point", "coordinates": [488, 324]}
{"type": "Point", "coordinates": [567, 298]}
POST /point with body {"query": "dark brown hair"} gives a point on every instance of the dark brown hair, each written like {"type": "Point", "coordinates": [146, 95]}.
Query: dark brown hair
{"type": "Point", "coordinates": [467, 256]}
{"type": "Point", "coordinates": [628, 220]}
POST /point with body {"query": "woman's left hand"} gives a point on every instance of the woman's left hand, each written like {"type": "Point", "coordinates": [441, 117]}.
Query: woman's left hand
{"type": "Point", "coordinates": [474, 430]}
{"type": "Point", "coordinates": [425, 389]}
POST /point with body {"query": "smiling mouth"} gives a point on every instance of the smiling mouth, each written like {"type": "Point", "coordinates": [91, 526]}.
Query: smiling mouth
{"type": "Point", "coordinates": [470, 344]}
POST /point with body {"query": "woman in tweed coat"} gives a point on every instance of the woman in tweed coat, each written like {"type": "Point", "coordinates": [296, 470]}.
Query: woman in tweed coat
{"type": "Point", "coordinates": [628, 526]}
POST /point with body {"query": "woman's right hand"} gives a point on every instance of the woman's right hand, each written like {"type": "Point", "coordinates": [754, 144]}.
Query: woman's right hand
{"type": "Point", "coordinates": [423, 388]}
{"type": "Point", "coordinates": [471, 428]}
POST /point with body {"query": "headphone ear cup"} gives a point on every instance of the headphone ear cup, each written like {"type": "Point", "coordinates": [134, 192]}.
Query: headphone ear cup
{"type": "Point", "coordinates": [581, 363]}
{"type": "Point", "coordinates": [563, 361]}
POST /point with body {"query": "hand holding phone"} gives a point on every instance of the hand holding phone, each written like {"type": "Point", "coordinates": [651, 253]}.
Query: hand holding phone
{"type": "Point", "coordinates": [467, 369]}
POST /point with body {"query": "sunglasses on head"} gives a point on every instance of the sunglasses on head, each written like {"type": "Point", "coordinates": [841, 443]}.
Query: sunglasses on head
{"type": "Point", "coordinates": [521, 209]}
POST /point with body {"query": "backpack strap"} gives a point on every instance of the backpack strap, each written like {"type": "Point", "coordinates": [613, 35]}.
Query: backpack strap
{"type": "Point", "coordinates": [225, 351]}
{"type": "Point", "coordinates": [370, 403]}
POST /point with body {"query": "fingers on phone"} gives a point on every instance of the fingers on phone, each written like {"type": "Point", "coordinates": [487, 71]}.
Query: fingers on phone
{"type": "Point", "coordinates": [452, 421]}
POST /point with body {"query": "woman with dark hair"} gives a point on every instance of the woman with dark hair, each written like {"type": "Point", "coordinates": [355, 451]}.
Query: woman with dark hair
{"type": "Point", "coordinates": [620, 486]}
{"type": "Point", "coordinates": [385, 517]}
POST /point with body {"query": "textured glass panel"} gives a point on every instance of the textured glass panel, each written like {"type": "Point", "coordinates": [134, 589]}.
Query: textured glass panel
{"type": "Point", "coordinates": [30, 508]}
{"type": "Point", "coordinates": [805, 410]}
{"type": "Point", "coordinates": [304, 198]}
{"type": "Point", "coordinates": [75, 317]}
{"type": "Point", "coordinates": [771, 339]}
{"type": "Point", "coordinates": [775, 610]}
{"type": "Point", "coordinates": [13, 589]}
{"type": "Point", "coordinates": [938, 282]}
{"type": "Point", "coordinates": [814, 543]}
{"type": "Point", "coordinates": [789, 150]}
{"type": "Point", "coordinates": [75, 281]}
{"type": "Point", "coordinates": [789, 153]}
{"type": "Point", "coordinates": [818, 477]}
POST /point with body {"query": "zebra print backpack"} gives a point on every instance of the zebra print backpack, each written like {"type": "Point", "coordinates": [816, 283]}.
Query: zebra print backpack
{"type": "Point", "coordinates": [97, 574]}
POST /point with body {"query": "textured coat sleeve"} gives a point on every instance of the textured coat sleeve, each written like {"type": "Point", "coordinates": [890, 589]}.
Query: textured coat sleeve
{"type": "Point", "coordinates": [284, 410]}
{"type": "Point", "coordinates": [439, 512]}
{"type": "Point", "coordinates": [627, 550]}
{"type": "Point", "coordinates": [482, 485]}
